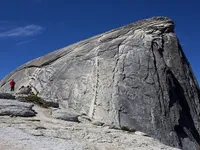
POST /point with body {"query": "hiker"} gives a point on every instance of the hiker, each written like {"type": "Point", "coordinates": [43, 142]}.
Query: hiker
{"type": "Point", "coordinates": [12, 85]}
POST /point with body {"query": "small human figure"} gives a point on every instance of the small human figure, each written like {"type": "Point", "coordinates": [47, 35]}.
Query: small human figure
{"type": "Point", "coordinates": [12, 85]}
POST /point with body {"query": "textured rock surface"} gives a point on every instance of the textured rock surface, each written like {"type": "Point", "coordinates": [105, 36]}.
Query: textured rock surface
{"type": "Point", "coordinates": [136, 76]}
{"type": "Point", "coordinates": [45, 133]}
{"type": "Point", "coordinates": [24, 141]}
{"type": "Point", "coordinates": [6, 96]}
{"type": "Point", "coordinates": [25, 90]}
{"type": "Point", "coordinates": [65, 115]}
{"type": "Point", "coordinates": [16, 108]}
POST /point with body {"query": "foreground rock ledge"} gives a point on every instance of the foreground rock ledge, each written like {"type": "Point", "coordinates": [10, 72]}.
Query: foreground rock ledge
{"type": "Point", "coordinates": [16, 108]}
{"type": "Point", "coordinates": [136, 76]}
{"type": "Point", "coordinates": [50, 134]}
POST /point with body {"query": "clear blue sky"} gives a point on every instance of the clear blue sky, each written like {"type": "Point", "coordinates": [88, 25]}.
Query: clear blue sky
{"type": "Point", "coordinates": [32, 28]}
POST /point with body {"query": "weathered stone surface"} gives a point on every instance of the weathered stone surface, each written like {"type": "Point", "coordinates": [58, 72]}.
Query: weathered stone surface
{"type": "Point", "coordinates": [136, 76]}
{"type": "Point", "coordinates": [42, 132]}
{"type": "Point", "coordinates": [36, 100]}
{"type": "Point", "coordinates": [6, 96]}
{"type": "Point", "coordinates": [16, 139]}
{"type": "Point", "coordinates": [15, 108]}
{"type": "Point", "coordinates": [97, 123]}
{"type": "Point", "coordinates": [84, 119]}
{"type": "Point", "coordinates": [65, 115]}
{"type": "Point", "coordinates": [140, 133]}
{"type": "Point", "coordinates": [25, 90]}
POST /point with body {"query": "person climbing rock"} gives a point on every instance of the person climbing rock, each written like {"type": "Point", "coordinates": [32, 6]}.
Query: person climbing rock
{"type": "Point", "coordinates": [12, 85]}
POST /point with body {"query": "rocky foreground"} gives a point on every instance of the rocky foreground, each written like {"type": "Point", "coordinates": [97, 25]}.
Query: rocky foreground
{"type": "Point", "coordinates": [44, 132]}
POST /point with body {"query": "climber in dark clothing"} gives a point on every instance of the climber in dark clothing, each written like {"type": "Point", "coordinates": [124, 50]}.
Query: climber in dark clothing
{"type": "Point", "coordinates": [12, 85]}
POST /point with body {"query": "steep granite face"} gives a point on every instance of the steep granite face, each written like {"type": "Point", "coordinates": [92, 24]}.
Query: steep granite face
{"type": "Point", "coordinates": [136, 77]}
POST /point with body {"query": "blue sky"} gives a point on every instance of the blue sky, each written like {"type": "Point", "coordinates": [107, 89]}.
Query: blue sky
{"type": "Point", "coordinates": [32, 28]}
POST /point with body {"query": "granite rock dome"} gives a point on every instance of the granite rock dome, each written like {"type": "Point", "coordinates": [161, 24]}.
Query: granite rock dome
{"type": "Point", "coordinates": [136, 76]}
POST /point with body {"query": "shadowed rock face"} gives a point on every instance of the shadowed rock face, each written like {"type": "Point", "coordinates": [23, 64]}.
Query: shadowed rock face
{"type": "Point", "coordinates": [15, 108]}
{"type": "Point", "coordinates": [136, 76]}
